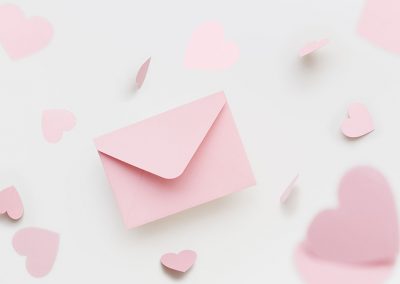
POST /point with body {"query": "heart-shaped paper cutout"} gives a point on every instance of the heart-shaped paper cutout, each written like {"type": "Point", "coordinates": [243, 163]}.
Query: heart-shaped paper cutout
{"type": "Point", "coordinates": [364, 229]}
{"type": "Point", "coordinates": [179, 262]}
{"type": "Point", "coordinates": [379, 23]}
{"type": "Point", "coordinates": [21, 36]}
{"type": "Point", "coordinates": [208, 49]}
{"type": "Point", "coordinates": [141, 74]}
{"type": "Point", "coordinates": [55, 122]}
{"type": "Point", "coordinates": [359, 121]}
{"type": "Point", "coordinates": [10, 203]}
{"type": "Point", "coordinates": [314, 270]}
{"type": "Point", "coordinates": [40, 248]}
{"type": "Point", "coordinates": [313, 46]}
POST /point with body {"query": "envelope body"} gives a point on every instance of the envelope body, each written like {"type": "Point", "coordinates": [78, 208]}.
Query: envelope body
{"type": "Point", "coordinates": [176, 160]}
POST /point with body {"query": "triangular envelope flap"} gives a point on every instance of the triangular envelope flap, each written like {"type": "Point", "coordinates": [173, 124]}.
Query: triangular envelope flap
{"type": "Point", "coordinates": [164, 144]}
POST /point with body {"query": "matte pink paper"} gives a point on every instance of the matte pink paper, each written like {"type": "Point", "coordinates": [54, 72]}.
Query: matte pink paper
{"type": "Point", "coordinates": [40, 248]}
{"type": "Point", "coordinates": [21, 36]}
{"type": "Point", "coordinates": [208, 49]}
{"type": "Point", "coordinates": [181, 262]}
{"type": "Point", "coordinates": [364, 229]}
{"type": "Point", "coordinates": [317, 271]}
{"type": "Point", "coordinates": [174, 161]}
{"type": "Point", "coordinates": [141, 75]}
{"type": "Point", "coordinates": [55, 122]}
{"type": "Point", "coordinates": [359, 121]}
{"type": "Point", "coordinates": [379, 23]}
{"type": "Point", "coordinates": [11, 203]}
{"type": "Point", "coordinates": [289, 189]}
{"type": "Point", "coordinates": [312, 46]}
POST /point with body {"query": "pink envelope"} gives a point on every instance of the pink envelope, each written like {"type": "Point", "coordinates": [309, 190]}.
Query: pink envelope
{"type": "Point", "coordinates": [174, 161]}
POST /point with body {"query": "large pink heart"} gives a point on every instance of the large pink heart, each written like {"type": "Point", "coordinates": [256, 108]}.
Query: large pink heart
{"type": "Point", "coordinates": [10, 203]}
{"type": "Point", "coordinates": [208, 48]}
{"type": "Point", "coordinates": [40, 248]}
{"type": "Point", "coordinates": [379, 23]}
{"type": "Point", "coordinates": [364, 229]}
{"type": "Point", "coordinates": [20, 36]}
{"type": "Point", "coordinates": [179, 262]}
{"type": "Point", "coordinates": [358, 123]}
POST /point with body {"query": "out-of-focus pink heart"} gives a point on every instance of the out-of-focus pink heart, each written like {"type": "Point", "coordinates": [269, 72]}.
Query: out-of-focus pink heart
{"type": "Point", "coordinates": [364, 229]}
{"type": "Point", "coordinates": [313, 46]}
{"type": "Point", "coordinates": [179, 262]}
{"type": "Point", "coordinates": [55, 122]}
{"type": "Point", "coordinates": [379, 23]}
{"type": "Point", "coordinates": [21, 36]}
{"type": "Point", "coordinates": [208, 48]}
{"type": "Point", "coordinates": [10, 203]}
{"type": "Point", "coordinates": [359, 121]}
{"type": "Point", "coordinates": [40, 248]}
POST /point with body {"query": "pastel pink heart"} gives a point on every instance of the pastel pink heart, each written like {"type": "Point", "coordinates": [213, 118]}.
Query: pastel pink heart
{"type": "Point", "coordinates": [10, 203]}
{"type": "Point", "coordinates": [313, 46]}
{"type": "Point", "coordinates": [208, 49]}
{"type": "Point", "coordinates": [40, 248]}
{"type": "Point", "coordinates": [141, 74]}
{"type": "Point", "coordinates": [364, 229]}
{"type": "Point", "coordinates": [379, 23]}
{"type": "Point", "coordinates": [314, 270]}
{"type": "Point", "coordinates": [55, 122]}
{"type": "Point", "coordinates": [21, 36]}
{"type": "Point", "coordinates": [359, 121]}
{"type": "Point", "coordinates": [181, 262]}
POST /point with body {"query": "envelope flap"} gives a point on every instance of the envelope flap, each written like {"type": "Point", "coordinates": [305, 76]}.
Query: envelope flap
{"type": "Point", "coordinates": [164, 144]}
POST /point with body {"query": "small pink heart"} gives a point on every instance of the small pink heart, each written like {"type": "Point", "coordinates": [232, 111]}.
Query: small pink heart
{"type": "Point", "coordinates": [10, 203]}
{"type": "Point", "coordinates": [179, 262]}
{"type": "Point", "coordinates": [207, 49]}
{"type": "Point", "coordinates": [20, 36]}
{"type": "Point", "coordinates": [364, 229]}
{"type": "Point", "coordinates": [313, 46]}
{"type": "Point", "coordinates": [141, 74]}
{"type": "Point", "coordinates": [40, 248]}
{"type": "Point", "coordinates": [55, 122]}
{"type": "Point", "coordinates": [358, 123]}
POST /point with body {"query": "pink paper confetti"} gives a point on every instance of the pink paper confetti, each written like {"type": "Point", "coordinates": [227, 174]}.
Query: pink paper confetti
{"type": "Point", "coordinates": [313, 46]}
{"type": "Point", "coordinates": [21, 36]}
{"type": "Point", "coordinates": [55, 122]}
{"type": "Point", "coordinates": [10, 203]}
{"type": "Point", "coordinates": [40, 248]}
{"type": "Point", "coordinates": [289, 189]}
{"type": "Point", "coordinates": [208, 49]}
{"type": "Point", "coordinates": [181, 262]}
{"type": "Point", "coordinates": [359, 122]}
{"type": "Point", "coordinates": [141, 75]}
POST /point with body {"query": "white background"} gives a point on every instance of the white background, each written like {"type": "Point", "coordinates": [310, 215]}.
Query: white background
{"type": "Point", "coordinates": [288, 113]}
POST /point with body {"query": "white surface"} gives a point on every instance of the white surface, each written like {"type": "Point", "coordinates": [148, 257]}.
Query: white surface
{"type": "Point", "coordinates": [288, 114]}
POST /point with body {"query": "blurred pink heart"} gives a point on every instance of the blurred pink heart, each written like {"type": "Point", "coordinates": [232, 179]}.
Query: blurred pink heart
{"type": "Point", "coordinates": [379, 23]}
{"type": "Point", "coordinates": [317, 271]}
{"type": "Point", "coordinates": [55, 122]}
{"type": "Point", "coordinates": [21, 36]}
{"type": "Point", "coordinates": [208, 48]}
{"type": "Point", "coordinates": [10, 203]}
{"type": "Point", "coordinates": [359, 121]}
{"type": "Point", "coordinates": [179, 262]}
{"type": "Point", "coordinates": [40, 248]}
{"type": "Point", "coordinates": [364, 229]}
{"type": "Point", "coordinates": [313, 46]}
{"type": "Point", "coordinates": [141, 74]}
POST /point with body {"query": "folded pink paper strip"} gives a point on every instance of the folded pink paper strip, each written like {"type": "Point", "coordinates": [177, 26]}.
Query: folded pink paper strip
{"type": "Point", "coordinates": [174, 161]}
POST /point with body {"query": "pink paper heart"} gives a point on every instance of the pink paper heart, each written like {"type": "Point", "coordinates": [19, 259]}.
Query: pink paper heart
{"type": "Point", "coordinates": [364, 229]}
{"type": "Point", "coordinates": [21, 36]}
{"type": "Point", "coordinates": [141, 74]}
{"type": "Point", "coordinates": [179, 262]}
{"type": "Point", "coordinates": [359, 121]}
{"type": "Point", "coordinates": [55, 122]}
{"type": "Point", "coordinates": [313, 46]}
{"type": "Point", "coordinates": [10, 203]}
{"type": "Point", "coordinates": [40, 248]}
{"type": "Point", "coordinates": [379, 23]}
{"type": "Point", "coordinates": [208, 49]}
{"type": "Point", "coordinates": [317, 271]}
